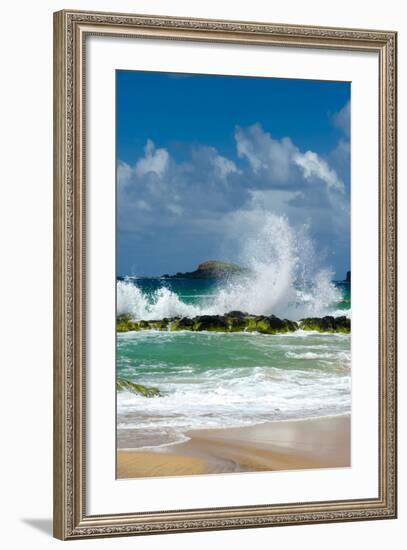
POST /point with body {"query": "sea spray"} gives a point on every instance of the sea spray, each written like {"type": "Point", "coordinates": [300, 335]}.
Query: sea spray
{"type": "Point", "coordinates": [162, 303]}
{"type": "Point", "coordinates": [285, 280]}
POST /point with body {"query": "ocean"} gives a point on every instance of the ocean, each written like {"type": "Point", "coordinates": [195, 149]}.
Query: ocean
{"type": "Point", "coordinates": [214, 380]}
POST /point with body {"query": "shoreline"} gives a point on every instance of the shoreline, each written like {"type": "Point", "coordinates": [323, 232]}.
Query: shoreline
{"type": "Point", "coordinates": [322, 442]}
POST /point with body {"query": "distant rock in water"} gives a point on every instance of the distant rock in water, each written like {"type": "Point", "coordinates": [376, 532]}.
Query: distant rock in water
{"type": "Point", "coordinates": [237, 321]}
{"type": "Point", "coordinates": [347, 277]}
{"type": "Point", "coordinates": [211, 269]}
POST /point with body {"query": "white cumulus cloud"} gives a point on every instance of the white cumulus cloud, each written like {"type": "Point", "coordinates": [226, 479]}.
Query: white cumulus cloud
{"type": "Point", "coordinates": [207, 197]}
{"type": "Point", "coordinates": [264, 153]}
{"type": "Point", "coordinates": [315, 167]}
{"type": "Point", "coordinates": [223, 166]}
{"type": "Point", "coordinates": [155, 160]}
{"type": "Point", "coordinates": [341, 119]}
{"type": "Point", "coordinates": [124, 173]}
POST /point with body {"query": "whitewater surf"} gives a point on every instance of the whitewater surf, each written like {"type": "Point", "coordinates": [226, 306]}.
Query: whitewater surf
{"type": "Point", "coordinates": [215, 380]}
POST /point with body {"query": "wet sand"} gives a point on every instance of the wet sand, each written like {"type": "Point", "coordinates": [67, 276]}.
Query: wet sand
{"type": "Point", "coordinates": [285, 445]}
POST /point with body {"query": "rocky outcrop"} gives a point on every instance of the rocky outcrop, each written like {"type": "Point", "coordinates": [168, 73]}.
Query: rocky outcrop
{"type": "Point", "coordinates": [125, 385]}
{"type": "Point", "coordinates": [326, 324]}
{"type": "Point", "coordinates": [184, 323]}
{"type": "Point", "coordinates": [211, 269]}
{"type": "Point", "coordinates": [237, 321]}
{"type": "Point", "coordinates": [124, 324]}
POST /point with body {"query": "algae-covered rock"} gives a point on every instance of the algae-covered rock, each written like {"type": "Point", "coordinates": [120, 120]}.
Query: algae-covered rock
{"type": "Point", "coordinates": [125, 324]}
{"type": "Point", "coordinates": [326, 324]}
{"type": "Point", "coordinates": [161, 324]}
{"type": "Point", "coordinates": [281, 325]}
{"type": "Point", "coordinates": [125, 385]}
{"type": "Point", "coordinates": [239, 314]}
{"type": "Point", "coordinates": [123, 318]}
{"type": "Point", "coordinates": [270, 324]}
{"type": "Point", "coordinates": [290, 326]}
{"type": "Point", "coordinates": [342, 323]}
{"type": "Point", "coordinates": [183, 323]}
{"type": "Point", "coordinates": [266, 325]}
{"type": "Point", "coordinates": [237, 321]}
{"type": "Point", "coordinates": [216, 323]}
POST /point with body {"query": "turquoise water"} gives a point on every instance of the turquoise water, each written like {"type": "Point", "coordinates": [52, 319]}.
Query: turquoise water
{"type": "Point", "coordinates": [216, 379]}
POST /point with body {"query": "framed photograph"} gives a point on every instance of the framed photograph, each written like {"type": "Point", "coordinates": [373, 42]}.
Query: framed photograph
{"type": "Point", "coordinates": [225, 274]}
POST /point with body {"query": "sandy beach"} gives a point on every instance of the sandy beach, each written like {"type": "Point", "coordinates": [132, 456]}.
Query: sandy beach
{"type": "Point", "coordinates": [285, 445]}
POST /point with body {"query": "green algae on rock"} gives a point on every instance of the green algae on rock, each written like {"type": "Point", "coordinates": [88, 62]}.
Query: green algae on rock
{"type": "Point", "coordinates": [237, 321]}
{"type": "Point", "coordinates": [125, 385]}
{"type": "Point", "coordinates": [326, 324]}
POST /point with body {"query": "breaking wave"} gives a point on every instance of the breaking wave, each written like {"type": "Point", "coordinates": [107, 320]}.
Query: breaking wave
{"type": "Point", "coordinates": [285, 280]}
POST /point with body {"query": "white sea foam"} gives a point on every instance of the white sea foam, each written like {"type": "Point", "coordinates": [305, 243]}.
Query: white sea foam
{"type": "Point", "coordinates": [163, 303]}
{"type": "Point", "coordinates": [286, 280]}
{"type": "Point", "coordinates": [237, 397]}
{"type": "Point", "coordinates": [313, 355]}
{"type": "Point", "coordinates": [294, 375]}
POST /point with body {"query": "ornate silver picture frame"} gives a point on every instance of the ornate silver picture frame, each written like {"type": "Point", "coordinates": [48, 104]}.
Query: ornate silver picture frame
{"type": "Point", "coordinates": [72, 520]}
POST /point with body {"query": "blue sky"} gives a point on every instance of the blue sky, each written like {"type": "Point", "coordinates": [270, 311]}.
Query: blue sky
{"type": "Point", "coordinates": [197, 153]}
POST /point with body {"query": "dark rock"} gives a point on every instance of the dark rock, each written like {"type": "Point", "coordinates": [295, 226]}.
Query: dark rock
{"type": "Point", "coordinates": [326, 324]}
{"type": "Point", "coordinates": [211, 322]}
{"type": "Point", "coordinates": [271, 325]}
{"type": "Point", "coordinates": [342, 322]}
{"type": "Point", "coordinates": [237, 324]}
{"type": "Point", "coordinates": [237, 321]}
{"type": "Point", "coordinates": [211, 269]}
{"type": "Point", "coordinates": [318, 323]}
{"type": "Point", "coordinates": [291, 325]}
{"type": "Point", "coordinates": [185, 323]}
{"type": "Point", "coordinates": [236, 314]}
{"type": "Point", "coordinates": [161, 324]}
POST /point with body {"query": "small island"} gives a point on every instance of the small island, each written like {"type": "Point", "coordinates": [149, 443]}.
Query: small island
{"type": "Point", "coordinates": [211, 269]}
